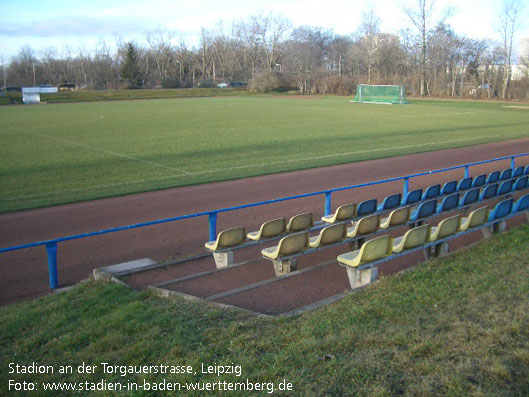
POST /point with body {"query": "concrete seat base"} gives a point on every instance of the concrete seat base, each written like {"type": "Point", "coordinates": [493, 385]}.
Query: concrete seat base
{"type": "Point", "coordinates": [361, 277]}
{"type": "Point", "coordinates": [285, 266]}
{"type": "Point", "coordinates": [223, 259]}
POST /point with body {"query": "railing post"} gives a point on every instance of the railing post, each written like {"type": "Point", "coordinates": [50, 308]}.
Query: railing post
{"type": "Point", "coordinates": [328, 203]}
{"type": "Point", "coordinates": [51, 250]}
{"type": "Point", "coordinates": [405, 187]}
{"type": "Point", "coordinates": [212, 226]}
{"type": "Point", "coordinates": [513, 163]}
{"type": "Point", "coordinates": [467, 172]}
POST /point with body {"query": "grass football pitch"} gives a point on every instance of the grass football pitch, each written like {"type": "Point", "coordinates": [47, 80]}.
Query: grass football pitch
{"type": "Point", "coordinates": [53, 154]}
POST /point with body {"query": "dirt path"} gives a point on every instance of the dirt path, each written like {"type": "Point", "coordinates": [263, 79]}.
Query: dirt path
{"type": "Point", "coordinates": [24, 273]}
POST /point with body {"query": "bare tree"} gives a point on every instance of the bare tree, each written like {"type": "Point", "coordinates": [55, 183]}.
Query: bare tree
{"type": "Point", "coordinates": [370, 30]}
{"type": "Point", "coordinates": [509, 25]}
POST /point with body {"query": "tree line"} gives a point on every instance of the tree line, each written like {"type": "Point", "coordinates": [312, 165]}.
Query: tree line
{"type": "Point", "coordinates": [268, 52]}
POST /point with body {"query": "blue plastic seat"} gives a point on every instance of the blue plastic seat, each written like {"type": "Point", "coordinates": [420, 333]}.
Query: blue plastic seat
{"type": "Point", "coordinates": [506, 174]}
{"type": "Point", "coordinates": [390, 202]}
{"type": "Point", "coordinates": [432, 192]}
{"type": "Point", "coordinates": [424, 210]}
{"type": "Point", "coordinates": [505, 188]}
{"type": "Point", "coordinates": [522, 204]}
{"type": "Point", "coordinates": [526, 170]}
{"type": "Point", "coordinates": [366, 207]}
{"type": "Point", "coordinates": [521, 183]}
{"type": "Point", "coordinates": [479, 180]}
{"type": "Point", "coordinates": [493, 177]}
{"type": "Point", "coordinates": [518, 171]}
{"type": "Point", "coordinates": [465, 183]}
{"type": "Point", "coordinates": [489, 192]}
{"type": "Point", "coordinates": [449, 203]}
{"type": "Point", "coordinates": [471, 196]}
{"type": "Point", "coordinates": [449, 187]}
{"type": "Point", "coordinates": [502, 209]}
{"type": "Point", "coordinates": [412, 197]}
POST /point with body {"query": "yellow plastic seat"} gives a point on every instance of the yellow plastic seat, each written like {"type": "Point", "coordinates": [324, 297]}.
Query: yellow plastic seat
{"type": "Point", "coordinates": [446, 227]}
{"type": "Point", "coordinates": [228, 238]}
{"type": "Point", "coordinates": [369, 224]}
{"type": "Point", "coordinates": [372, 250]}
{"type": "Point", "coordinates": [288, 245]}
{"type": "Point", "coordinates": [300, 222]}
{"type": "Point", "coordinates": [330, 234]}
{"type": "Point", "coordinates": [396, 217]}
{"type": "Point", "coordinates": [268, 229]}
{"type": "Point", "coordinates": [342, 213]}
{"type": "Point", "coordinates": [475, 218]}
{"type": "Point", "coordinates": [412, 238]}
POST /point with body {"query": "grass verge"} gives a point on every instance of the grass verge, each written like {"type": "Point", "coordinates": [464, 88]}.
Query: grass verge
{"type": "Point", "coordinates": [453, 326]}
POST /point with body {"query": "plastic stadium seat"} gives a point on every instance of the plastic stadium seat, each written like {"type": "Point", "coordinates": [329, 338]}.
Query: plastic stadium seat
{"type": "Point", "coordinates": [412, 238]}
{"type": "Point", "coordinates": [342, 213]}
{"type": "Point", "coordinates": [521, 183]}
{"type": "Point", "coordinates": [446, 227]}
{"type": "Point", "coordinates": [522, 204]}
{"type": "Point", "coordinates": [366, 207]}
{"type": "Point", "coordinates": [449, 187]}
{"type": "Point", "coordinates": [449, 203]}
{"type": "Point", "coordinates": [268, 229]}
{"type": "Point", "coordinates": [398, 216]}
{"type": "Point", "coordinates": [506, 174]}
{"type": "Point", "coordinates": [288, 245]}
{"type": "Point", "coordinates": [390, 202]}
{"type": "Point", "coordinates": [518, 171]}
{"type": "Point", "coordinates": [526, 170]}
{"type": "Point", "coordinates": [489, 192]}
{"type": "Point", "coordinates": [502, 209]}
{"type": "Point", "coordinates": [372, 250]}
{"type": "Point", "coordinates": [465, 183]}
{"type": "Point", "coordinates": [424, 210]}
{"type": "Point", "coordinates": [228, 238]}
{"type": "Point", "coordinates": [471, 196]}
{"type": "Point", "coordinates": [369, 224]}
{"type": "Point", "coordinates": [330, 234]}
{"type": "Point", "coordinates": [493, 177]}
{"type": "Point", "coordinates": [475, 218]}
{"type": "Point", "coordinates": [432, 192]}
{"type": "Point", "coordinates": [412, 197]}
{"type": "Point", "coordinates": [479, 180]}
{"type": "Point", "coordinates": [300, 222]}
{"type": "Point", "coordinates": [505, 188]}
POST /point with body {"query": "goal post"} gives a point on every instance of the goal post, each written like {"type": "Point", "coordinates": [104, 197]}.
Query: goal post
{"type": "Point", "coordinates": [388, 94]}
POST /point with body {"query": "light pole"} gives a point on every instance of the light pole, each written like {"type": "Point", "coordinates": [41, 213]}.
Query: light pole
{"type": "Point", "coordinates": [280, 67]}
{"type": "Point", "coordinates": [180, 63]}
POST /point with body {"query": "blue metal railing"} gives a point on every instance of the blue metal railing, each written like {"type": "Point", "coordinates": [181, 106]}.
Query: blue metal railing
{"type": "Point", "coordinates": [51, 245]}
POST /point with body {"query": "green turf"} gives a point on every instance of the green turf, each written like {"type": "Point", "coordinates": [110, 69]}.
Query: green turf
{"type": "Point", "coordinates": [61, 153]}
{"type": "Point", "coordinates": [456, 326]}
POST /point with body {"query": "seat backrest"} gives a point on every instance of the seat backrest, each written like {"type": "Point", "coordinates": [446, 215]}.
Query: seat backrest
{"type": "Point", "coordinates": [376, 248]}
{"type": "Point", "coordinates": [448, 226]}
{"type": "Point", "coordinates": [432, 191]}
{"type": "Point", "coordinates": [426, 209]}
{"type": "Point", "coordinates": [231, 237]}
{"type": "Point", "coordinates": [332, 234]}
{"type": "Point", "coordinates": [366, 207]}
{"type": "Point", "coordinates": [493, 177]}
{"type": "Point", "coordinates": [392, 201]}
{"type": "Point", "coordinates": [505, 187]}
{"type": "Point", "coordinates": [502, 209]}
{"type": "Point", "coordinates": [465, 183]}
{"type": "Point", "coordinates": [526, 172]}
{"type": "Point", "coordinates": [450, 202]}
{"type": "Point", "coordinates": [518, 171]}
{"type": "Point", "coordinates": [416, 237]}
{"type": "Point", "coordinates": [479, 180]}
{"type": "Point", "coordinates": [300, 222]}
{"type": "Point", "coordinates": [368, 224]}
{"type": "Point", "coordinates": [521, 183]}
{"type": "Point", "coordinates": [522, 204]}
{"type": "Point", "coordinates": [449, 187]}
{"type": "Point", "coordinates": [478, 217]}
{"type": "Point", "coordinates": [399, 216]}
{"type": "Point", "coordinates": [489, 191]}
{"type": "Point", "coordinates": [413, 196]}
{"type": "Point", "coordinates": [346, 211]}
{"type": "Point", "coordinates": [506, 174]}
{"type": "Point", "coordinates": [293, 244]}
{"type": "Point", "coordinates": [471, 196]}
{"type": "Point", "coordinates": [273, 228]}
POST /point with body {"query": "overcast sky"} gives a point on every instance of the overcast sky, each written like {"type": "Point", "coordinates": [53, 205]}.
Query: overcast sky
{"type": "Point", "coordinates": [59, 24]}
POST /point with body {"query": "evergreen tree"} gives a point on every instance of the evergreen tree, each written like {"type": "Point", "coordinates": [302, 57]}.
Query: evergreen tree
{"type": "Point", "coordinates": [130, 70]}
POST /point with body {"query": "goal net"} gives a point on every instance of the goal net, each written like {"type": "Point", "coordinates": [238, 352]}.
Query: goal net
{"type": "Point", "coordinates": [380, 94]}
